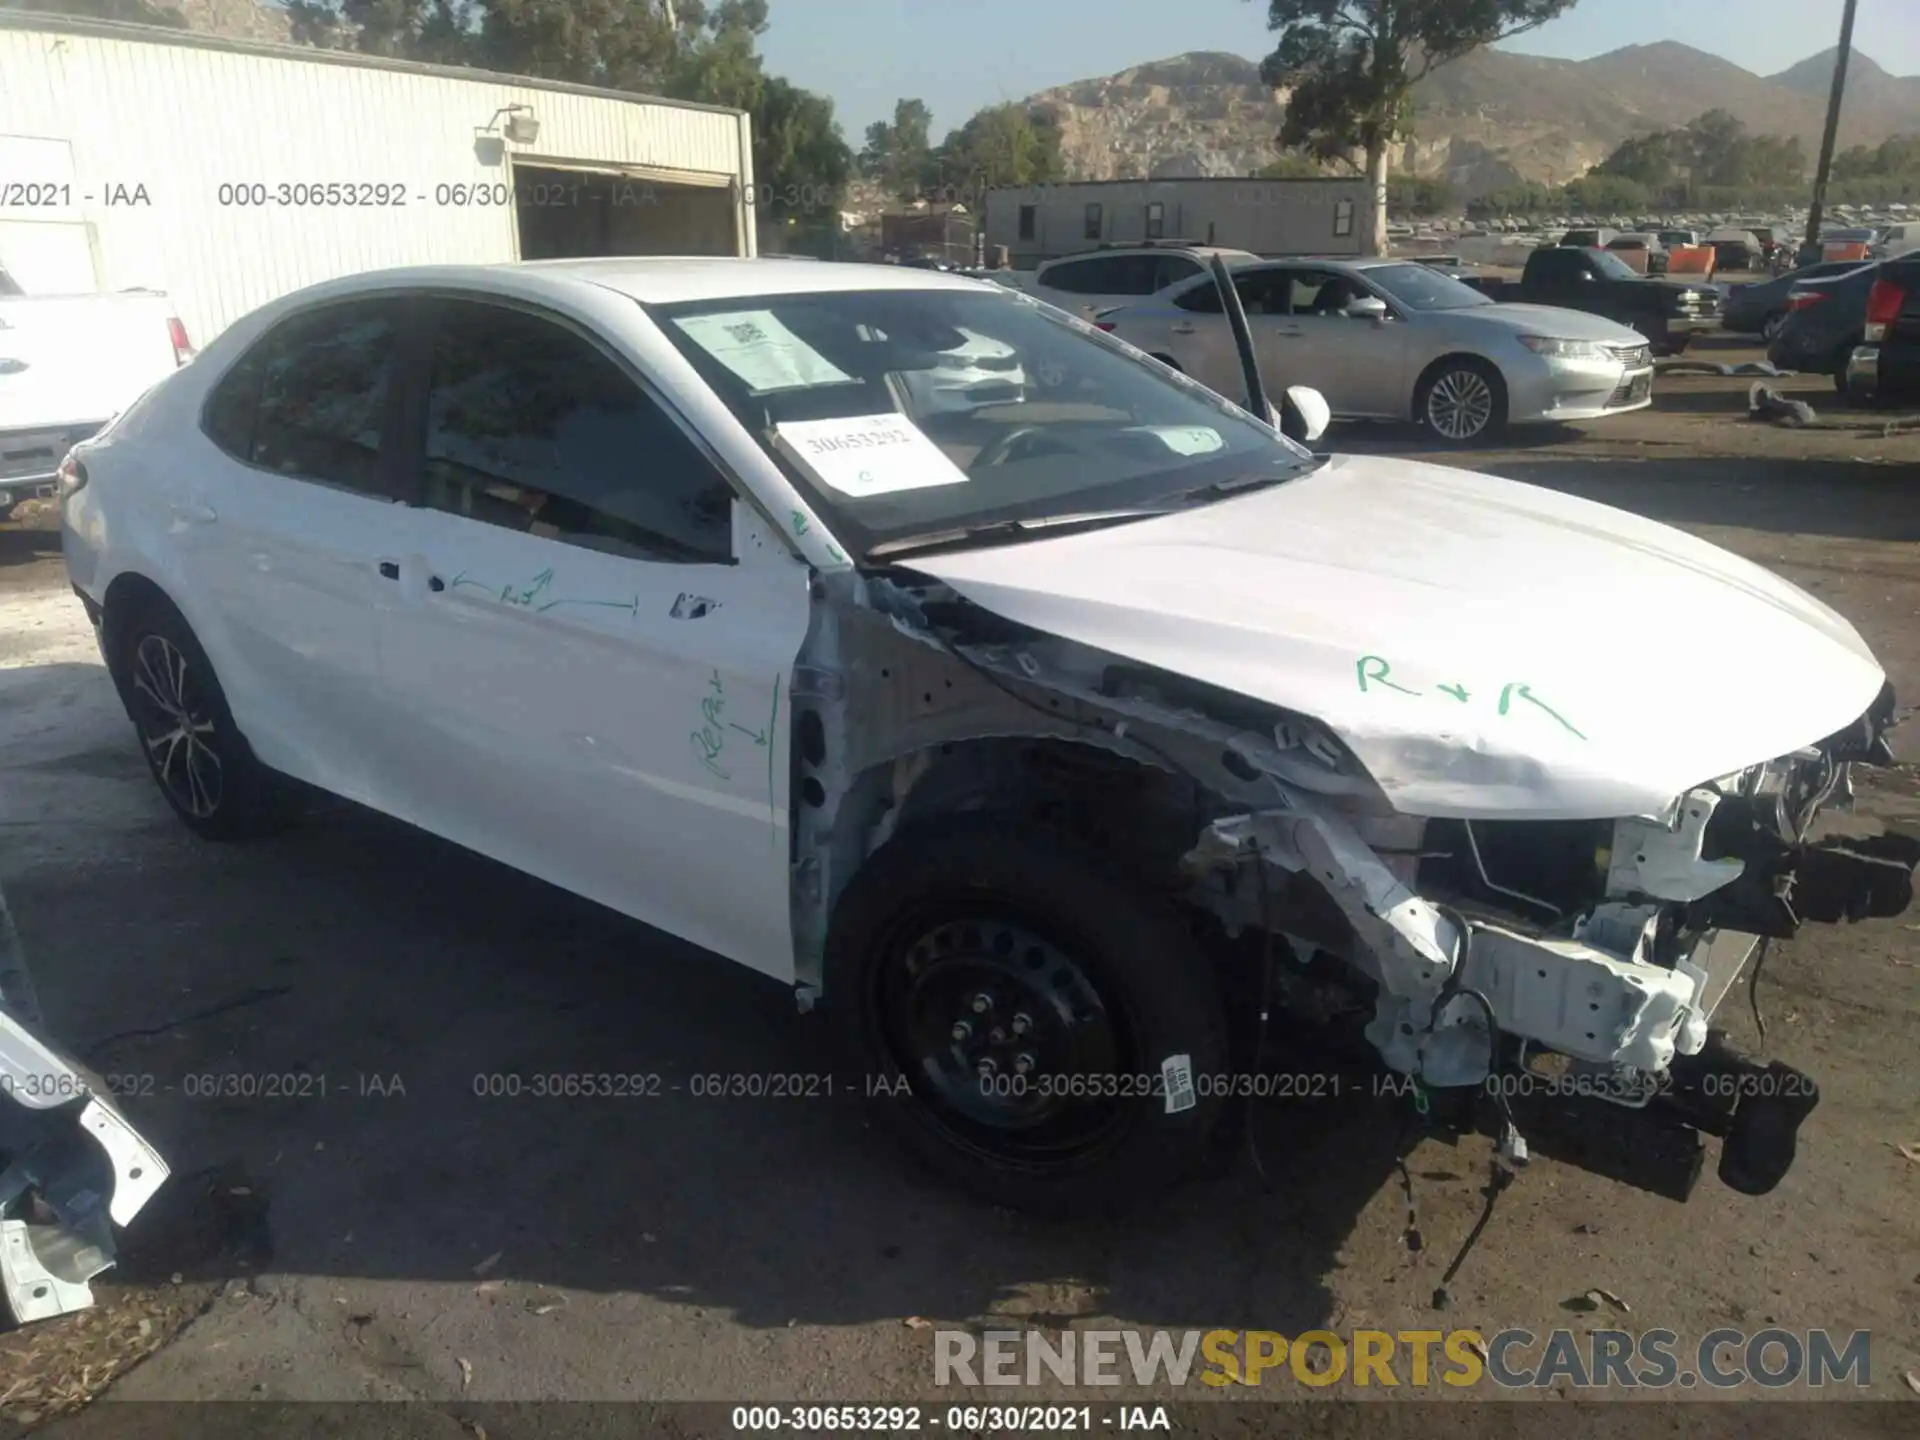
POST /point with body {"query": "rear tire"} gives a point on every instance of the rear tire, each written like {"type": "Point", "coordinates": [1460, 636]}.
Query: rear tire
{"type": "Point", "coordinates": [202, 763]}
{"type": "Point", "coordinates": [1770, 329]}
{"type": "Point", "coordinates": [980, 934]}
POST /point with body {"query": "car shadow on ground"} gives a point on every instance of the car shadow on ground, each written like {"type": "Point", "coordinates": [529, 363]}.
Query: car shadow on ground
{"type": "Point", "coordinates": [315, 1030]}
{"type": "Point", "coordinates": [1835, 498]}
{"type": "Point", "coordinates": [26, 547]}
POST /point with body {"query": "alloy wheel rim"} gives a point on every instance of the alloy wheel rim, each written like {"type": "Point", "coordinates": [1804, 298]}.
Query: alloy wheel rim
{"type": "Point", "coordinates": [177, 728]}
{"type": "Point", "coordinates": [1460, 404]}
{"type": "Point", "coordinates": [1771, 328]}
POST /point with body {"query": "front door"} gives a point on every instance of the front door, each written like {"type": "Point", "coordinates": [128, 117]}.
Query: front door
{"type": "Point", "coordinates": [1358, 363]}
{"type": "Point", "coordinates": [594, 638]}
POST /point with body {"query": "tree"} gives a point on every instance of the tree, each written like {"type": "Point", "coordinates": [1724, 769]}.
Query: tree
{"type": "Point", "coordinates": [898, 154]}
{"type": "Point", "coordinates": [1420, 195]}
{"type": "Point", "coordinates": [443, 32]}
{"type": "Point", "coordinates": [1647, 160]}
{"type": "Point", "coordinates": [1002, 145]}
{"type": "Point", "coordinates": [1291, 167]}
{"type": "Point", "coordinates": [1351, 66]}
{"type": "Point", "coordinates": [801, 162]}
{"type": "Point", "coordinates": [1598, 194]}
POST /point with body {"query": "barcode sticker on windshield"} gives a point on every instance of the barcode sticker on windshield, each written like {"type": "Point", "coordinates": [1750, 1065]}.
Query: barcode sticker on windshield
{"type": "Point", "coordinates": [868, 455]}
{"type": "Point", "coordinates": [754, 345]}
{"type": "Point", "coordinates": [1177, 1072]}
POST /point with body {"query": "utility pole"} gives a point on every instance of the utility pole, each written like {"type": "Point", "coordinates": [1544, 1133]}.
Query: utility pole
{"type": "Point", "coordinates": [1831, 133]}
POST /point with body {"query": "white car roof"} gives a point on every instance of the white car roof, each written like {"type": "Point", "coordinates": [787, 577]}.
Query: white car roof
{"type": "Point", "coordinates": [659, 279]}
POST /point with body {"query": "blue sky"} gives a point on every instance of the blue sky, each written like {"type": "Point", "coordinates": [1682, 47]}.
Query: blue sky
{"type": "Point", "coordinates": [958, 55]}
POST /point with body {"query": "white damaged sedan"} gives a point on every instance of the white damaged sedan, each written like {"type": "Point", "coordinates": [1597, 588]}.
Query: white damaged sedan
{"type": "Point", "coordinates": [1040, 740]}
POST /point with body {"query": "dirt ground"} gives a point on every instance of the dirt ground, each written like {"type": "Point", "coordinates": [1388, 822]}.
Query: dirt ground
{"type": "Point", "coordinates": [404, 1238]}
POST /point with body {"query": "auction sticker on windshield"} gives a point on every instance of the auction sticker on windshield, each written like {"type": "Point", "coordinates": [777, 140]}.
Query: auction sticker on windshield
{"type": "Point", "coordinates": [867, 455]}
{"type": "Point", "coordinates": [754, 345]}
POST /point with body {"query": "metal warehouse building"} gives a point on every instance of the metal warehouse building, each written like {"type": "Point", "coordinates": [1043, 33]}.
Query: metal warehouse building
{"type": "Point", "coordinates": [1267, 217]}
{"type": "Point", "coordinates": [228, 172]}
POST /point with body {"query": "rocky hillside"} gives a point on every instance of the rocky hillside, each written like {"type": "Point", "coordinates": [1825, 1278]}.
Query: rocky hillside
{"type": "Point", "coordinates": [242, 19]}
{"type": "Point", "coordinates": [1484, 121]}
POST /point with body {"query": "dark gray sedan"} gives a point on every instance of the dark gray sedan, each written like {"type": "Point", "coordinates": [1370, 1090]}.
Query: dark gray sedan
{"type": "Point", "coordinates": [1761, 308]}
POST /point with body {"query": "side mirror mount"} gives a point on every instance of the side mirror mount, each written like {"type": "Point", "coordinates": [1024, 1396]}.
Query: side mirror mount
{"type": "Point", "coordinates": [1304, 413]}
{"type": "Point", "coordinates": [1367, 307]}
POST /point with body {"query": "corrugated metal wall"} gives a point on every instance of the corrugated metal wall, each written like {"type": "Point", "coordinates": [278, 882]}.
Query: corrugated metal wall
{"type": "Point", "coordinates": [181, 121]}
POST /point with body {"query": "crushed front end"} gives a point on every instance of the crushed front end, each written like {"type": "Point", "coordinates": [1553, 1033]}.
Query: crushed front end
{"type": "Point", "coordinates": [1582, 959]}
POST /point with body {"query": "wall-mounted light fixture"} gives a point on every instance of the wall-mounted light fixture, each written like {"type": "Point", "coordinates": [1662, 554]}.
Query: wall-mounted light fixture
{"type": "Point", "coordinates": [521, 127]}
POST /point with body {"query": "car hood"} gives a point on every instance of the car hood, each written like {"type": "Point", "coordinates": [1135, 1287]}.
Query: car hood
{"type": "Point", "coordinates": [1549, 320]}
{"type": "Point", "coordinates": [1484, 647]}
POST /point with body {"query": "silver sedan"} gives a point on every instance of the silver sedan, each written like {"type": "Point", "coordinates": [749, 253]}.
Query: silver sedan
{"type": "Point", "coordinates": [1392, 340]}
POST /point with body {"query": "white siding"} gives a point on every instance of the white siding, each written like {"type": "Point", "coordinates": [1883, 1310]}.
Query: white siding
{"type": "Point", "coordinates": [181, 120]}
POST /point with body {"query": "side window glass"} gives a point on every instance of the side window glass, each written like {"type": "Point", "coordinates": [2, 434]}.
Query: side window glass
{"type": "Point", "coordinates": [324, 383]}
{"type": "Point", "coordinates": [229, 413]}
{"type": "Point", "coordinates": [1174, 269]}
{"type": "Point", "coordinates": [532, 427]}
{"type": "Point", "coordinates": [1136, 275]}
{"type": "Point", "coordinates": [1201, 299]}
{"type": "Point", "coordinates": [1264, 292]}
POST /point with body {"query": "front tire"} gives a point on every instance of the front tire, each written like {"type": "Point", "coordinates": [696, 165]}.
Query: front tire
{"type": "Point", "coordinates": [1009, 1001]}
{"type": "Point", "coordinates": [195, 752]}
{"type": "Point", "coordinates": [1462, 400]}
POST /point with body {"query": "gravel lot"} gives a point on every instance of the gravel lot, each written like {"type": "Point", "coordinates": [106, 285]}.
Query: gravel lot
{"type": "Point", "coordinates": [402, 1238]}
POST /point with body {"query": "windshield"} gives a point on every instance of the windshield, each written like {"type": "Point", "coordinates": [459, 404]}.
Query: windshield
{"type": "Point", "coordinates": [1421, 287]}
{"type": "Point", "coordinates": [909, 414]}
{"type": "Point", "coordinates": [1610, 266]}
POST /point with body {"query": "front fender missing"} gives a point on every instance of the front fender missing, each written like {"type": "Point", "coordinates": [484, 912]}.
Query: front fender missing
{"type": "Point", "coordinates": [1410, 947]}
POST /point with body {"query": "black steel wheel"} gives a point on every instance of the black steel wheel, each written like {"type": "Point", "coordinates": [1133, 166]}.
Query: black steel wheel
{"type": "Point", "coordinates": [1014, 1009]}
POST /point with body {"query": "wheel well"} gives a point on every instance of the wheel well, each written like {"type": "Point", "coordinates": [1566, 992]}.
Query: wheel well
{"type": "Point", "coordinates": [127, 596]}
{"type": "Point", "coordinates": [1138, 815]}
{"type": "Point", "coordinates": [1170, 363]}
{"type": "Point", "coordinates": [1458, 357]}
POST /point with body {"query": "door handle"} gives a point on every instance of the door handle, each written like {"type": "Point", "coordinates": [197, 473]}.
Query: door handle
{"type": "Point", "coordinates": [194, 514]}
{"type": "Point", "coordinates": [436, 584]}
{"type": "Point", "coordinates": [389, 570]}
{"type": "Point", "coordinates": [1183, 328]}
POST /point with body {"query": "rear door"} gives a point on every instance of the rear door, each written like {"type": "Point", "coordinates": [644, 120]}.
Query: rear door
{"type": "Point", "coordinates": [590, 641]}
{"type": "Point", "coordinates": [280, 526]}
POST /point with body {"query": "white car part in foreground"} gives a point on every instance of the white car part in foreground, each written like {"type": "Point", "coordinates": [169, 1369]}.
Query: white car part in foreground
{"type": "Point", "coordinates": [74, 1168]}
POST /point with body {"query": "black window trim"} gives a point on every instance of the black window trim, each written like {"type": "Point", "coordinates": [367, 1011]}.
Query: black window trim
{"type": "Point", "coordinates": [412, 445]}
{"type": "Point", "coordinates": [392, 477]}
